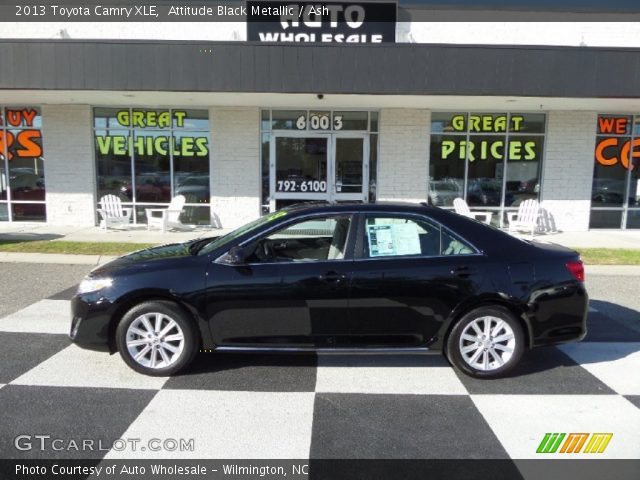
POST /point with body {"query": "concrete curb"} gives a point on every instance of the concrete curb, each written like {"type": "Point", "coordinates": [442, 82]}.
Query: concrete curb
{"type": "Point", "coordinates": [617, 270]}
{"type": "Point", "coordinates": [59, 258]}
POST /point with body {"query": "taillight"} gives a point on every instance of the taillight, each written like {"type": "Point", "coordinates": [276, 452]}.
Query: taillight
{"type": "Point", "coordinates": [577, 270]}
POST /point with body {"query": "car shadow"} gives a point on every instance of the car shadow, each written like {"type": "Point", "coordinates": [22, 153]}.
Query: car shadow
{"type": "Point", "coordinates": [212, 362]}
{"type": "Point", "coordinates": [629, 317]}
{"type": "Point", "coordinates": [613, 333]}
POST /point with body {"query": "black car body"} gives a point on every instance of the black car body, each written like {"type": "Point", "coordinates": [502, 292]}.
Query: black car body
{"type": "Point", "coordinates": [279, 284]}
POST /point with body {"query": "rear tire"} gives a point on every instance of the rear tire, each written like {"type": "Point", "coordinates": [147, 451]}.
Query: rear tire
{"type": "Point", "coordinates": [487, 342]}
{"type": "Point", "coordinates": [157, 338]}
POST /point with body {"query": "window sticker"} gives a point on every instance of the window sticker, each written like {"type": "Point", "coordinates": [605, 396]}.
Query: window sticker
{"type": "Point", "coordinates": [393, 239]}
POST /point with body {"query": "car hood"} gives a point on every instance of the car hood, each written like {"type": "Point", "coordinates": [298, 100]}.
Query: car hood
{"type": "Point", "coordinates": [149, 256]}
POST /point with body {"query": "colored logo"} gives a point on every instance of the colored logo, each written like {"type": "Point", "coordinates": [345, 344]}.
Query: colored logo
{"type": "Point", "coordinates": [574, 443]}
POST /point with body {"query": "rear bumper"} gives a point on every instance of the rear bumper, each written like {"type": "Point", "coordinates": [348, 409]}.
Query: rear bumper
{"type": "Point", "coordinates": [561, 317]}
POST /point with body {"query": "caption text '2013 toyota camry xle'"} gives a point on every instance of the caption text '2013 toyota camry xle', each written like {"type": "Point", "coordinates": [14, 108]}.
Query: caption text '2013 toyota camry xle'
{"type": "Point", "coordinates": [344, 278]}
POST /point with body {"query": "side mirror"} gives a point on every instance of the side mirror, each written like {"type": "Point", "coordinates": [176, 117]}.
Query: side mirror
{"type": "Point", "coordinates": [236, 256]}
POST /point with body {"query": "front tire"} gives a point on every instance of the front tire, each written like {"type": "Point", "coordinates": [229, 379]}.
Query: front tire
{"type": "Point", "coordinates": [487, 342]}
{"type": "Point", "coordinates": [157, 338]}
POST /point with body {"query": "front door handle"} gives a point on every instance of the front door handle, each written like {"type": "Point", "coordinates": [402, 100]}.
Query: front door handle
{"type": "Point", "coordinates": [332, 277]}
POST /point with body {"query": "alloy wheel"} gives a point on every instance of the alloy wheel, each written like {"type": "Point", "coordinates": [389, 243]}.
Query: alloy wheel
{"type": "Point", "coordinates": [155, 340]}
{"type": "Point", "coordinates": [487, 343]}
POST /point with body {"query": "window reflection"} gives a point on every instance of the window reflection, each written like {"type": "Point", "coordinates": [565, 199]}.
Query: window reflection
{"type": "Point", "coordinates": [152, 167]}
{"type": "Point", "coordinates": [523, 169]}
{"type": "Point", "coordinates": [446, 170]}
{"type": "Point", "coordinates": [191, 166]}
{"type": "Point", "coordinates": [485, 170]}
{"type": "Point", "coordinates": [22, 181]}
{"type": "Point", "coordinates": [113, 164]}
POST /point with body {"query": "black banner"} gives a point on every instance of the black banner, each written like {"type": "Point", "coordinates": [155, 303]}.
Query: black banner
{"type": "Point", "coordinates": [452, 469]}
{"type": "Point", "coordinates": [324, 22]}
{"type": "Point", "coordinates": [380, 15]}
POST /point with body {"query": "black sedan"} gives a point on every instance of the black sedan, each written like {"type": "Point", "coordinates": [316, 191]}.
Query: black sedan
{"type": "Point", "coordinates": [337, 278]}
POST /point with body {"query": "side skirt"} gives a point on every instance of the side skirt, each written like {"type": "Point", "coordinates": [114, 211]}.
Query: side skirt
{"type": "Point", "coordinates": [334, 351]}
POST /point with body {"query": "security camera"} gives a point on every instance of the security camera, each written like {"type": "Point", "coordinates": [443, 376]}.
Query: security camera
{"type": "Point", "coordinates": [320, 96]}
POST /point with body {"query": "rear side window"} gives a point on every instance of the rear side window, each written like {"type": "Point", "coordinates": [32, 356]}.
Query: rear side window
{"type": "Point", "coordinates": [395, 236]}
{"type": "Point", "coordinates": [452, 245]}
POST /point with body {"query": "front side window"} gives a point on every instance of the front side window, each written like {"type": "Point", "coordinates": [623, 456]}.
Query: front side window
{"type": "Point", "coordinates": [401, 237]}
{"type": "Point", "coordinates": [312, 240]}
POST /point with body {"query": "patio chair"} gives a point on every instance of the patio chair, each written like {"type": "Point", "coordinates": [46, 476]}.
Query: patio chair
{"type": "Point", "coordinates": [168, 218]}
{"type": "Point", "coordinates": [462, 208]}
{"type": "Point", "coordinates": [526, 218]}
{"type": "Point", "coordinates": [112, 212]}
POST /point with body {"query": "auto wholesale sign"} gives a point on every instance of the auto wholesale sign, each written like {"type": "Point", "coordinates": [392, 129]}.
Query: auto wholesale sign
{"type": "Point", "coordinates": [326, 22]}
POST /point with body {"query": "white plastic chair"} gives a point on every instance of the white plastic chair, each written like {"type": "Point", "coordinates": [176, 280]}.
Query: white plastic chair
{"type": "Point", "coordinates": [169, 217]}
{"type": "Point", "coordinates": [462, 208]}
{"type": "Point", "coordinates": [526, 218]}
{"type": "Point", "coordinates": [112, 212]}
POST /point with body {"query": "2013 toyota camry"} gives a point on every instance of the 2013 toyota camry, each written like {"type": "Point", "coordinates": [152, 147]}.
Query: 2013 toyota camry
{"type": "Point", "coordinates": [337, 278]}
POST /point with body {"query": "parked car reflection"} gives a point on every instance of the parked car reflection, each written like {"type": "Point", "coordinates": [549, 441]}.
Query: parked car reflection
{"type": "Point", "coordinates": [608, 191]}
{"type": "Point", "coordinates": [442, 193]}
{"type": "Point", "coordinates": [25, 185]}
{"type": "Point", "coordinates": [151, 187]}
{"type": "Point", "coordinates": [484, 191]}
{"type": "Point", "coordinates": [195, 188]}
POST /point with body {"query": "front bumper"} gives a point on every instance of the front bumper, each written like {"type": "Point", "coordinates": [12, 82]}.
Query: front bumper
{"type": "Point", "coordinates": [90, 321]}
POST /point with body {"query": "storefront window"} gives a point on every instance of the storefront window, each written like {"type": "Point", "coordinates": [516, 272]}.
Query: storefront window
{"type": "Point", "coordinates": [615, 195]}
{"type": "Point", "coordinates": [148, 156]}
{"type": "Point", "coordinates": [491, 160]}
{"type": "Point", "coordinates": [22, 182]}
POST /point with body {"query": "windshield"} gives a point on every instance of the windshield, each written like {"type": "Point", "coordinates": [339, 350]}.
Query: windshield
{"type": "Point", "coordinates": [238, 232]}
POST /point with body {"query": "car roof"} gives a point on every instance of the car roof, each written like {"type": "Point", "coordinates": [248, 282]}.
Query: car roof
{"type": "Point", "coordinates": [311, 207]}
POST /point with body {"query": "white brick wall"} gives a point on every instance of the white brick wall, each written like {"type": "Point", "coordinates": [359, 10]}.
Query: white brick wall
{"type": "Point", "coordinates": [69, 164]}
{"type": "Point", "coordinates": [403, 154]}
{"type": "Point", "coordinates": [568, 168]}
{"type": "Point", "coordinates": [235, 164]}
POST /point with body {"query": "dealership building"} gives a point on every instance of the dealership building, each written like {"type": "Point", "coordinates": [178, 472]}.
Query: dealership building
{"type": "Point", "coordinates": [241, 120]}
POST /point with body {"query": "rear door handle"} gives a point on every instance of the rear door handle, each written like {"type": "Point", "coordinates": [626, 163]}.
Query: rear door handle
{"type": "Point", "coordinates": [463, 271]}
{"type": "Point", "coordinates": [332, 277]}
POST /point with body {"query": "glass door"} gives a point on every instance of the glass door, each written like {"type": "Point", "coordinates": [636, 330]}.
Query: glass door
{"type": "Point", "coordinates": [316, 166]}
{"type": "Point", "coordinates": [300, 167]}
{"type": "Point", "coordinates": [349, 168]}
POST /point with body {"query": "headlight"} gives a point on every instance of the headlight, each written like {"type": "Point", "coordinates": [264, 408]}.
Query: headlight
{"type": "Point", "coordinates": [94, 284]}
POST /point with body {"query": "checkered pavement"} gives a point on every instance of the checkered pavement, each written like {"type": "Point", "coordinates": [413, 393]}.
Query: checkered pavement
{"type": "Point", "coordinates": [319, 407]}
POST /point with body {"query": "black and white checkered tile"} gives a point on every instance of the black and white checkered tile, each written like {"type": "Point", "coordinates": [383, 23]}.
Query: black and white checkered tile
{"type": "Point", "coordinates": [285, 406]}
